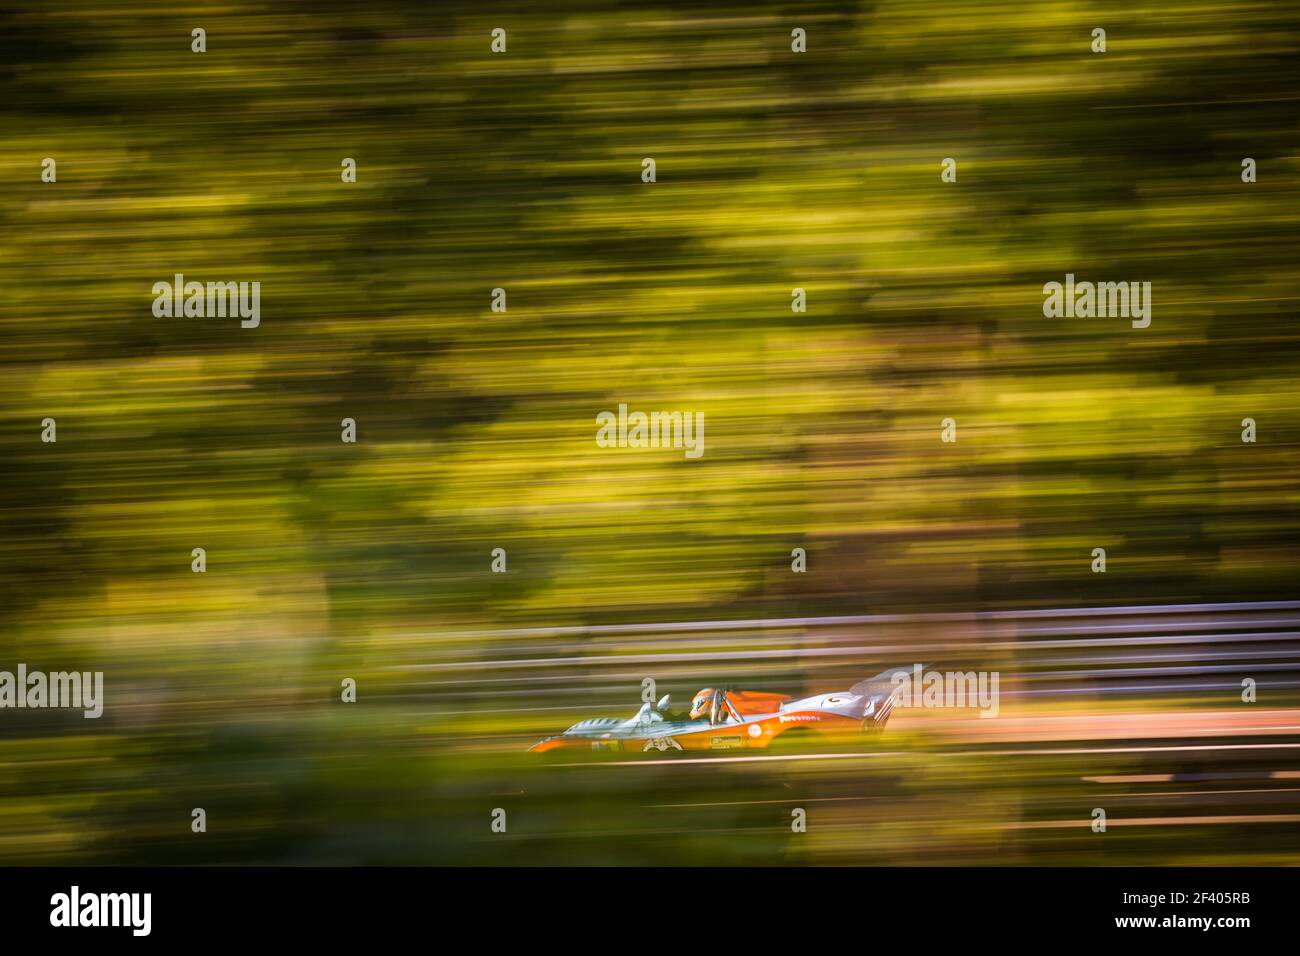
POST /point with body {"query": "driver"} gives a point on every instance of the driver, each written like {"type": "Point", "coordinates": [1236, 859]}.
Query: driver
{"type": "Point", "coordinates": [702, 703]}
{"type": "Point", "coordinates": [722, 705]}
{"type": "Point", "coordinates": [715, 703]}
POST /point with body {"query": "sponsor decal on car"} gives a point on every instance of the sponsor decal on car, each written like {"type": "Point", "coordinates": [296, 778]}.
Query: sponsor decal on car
{"type": "Point", "coordinates": [725, 743]}
{"type": "Point", "coordinates": [795, 718]}
{"type": "Point", "coordinates": [661, 744]}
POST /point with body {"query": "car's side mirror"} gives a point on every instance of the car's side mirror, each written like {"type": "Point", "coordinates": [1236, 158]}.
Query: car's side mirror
{"type": "Point", "coordinates": [662, 706]}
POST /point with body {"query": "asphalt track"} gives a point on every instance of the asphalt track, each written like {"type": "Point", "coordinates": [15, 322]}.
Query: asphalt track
{"type": "Point", "coordinates": [688, 761]}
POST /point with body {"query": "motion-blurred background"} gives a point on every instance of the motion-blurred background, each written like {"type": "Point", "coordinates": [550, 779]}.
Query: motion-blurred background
{"type": "Point", "coordinates": [476, 430]}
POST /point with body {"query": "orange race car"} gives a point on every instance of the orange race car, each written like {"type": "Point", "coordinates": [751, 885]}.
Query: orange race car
{"type": "Point", "coordinates": [726, 719]}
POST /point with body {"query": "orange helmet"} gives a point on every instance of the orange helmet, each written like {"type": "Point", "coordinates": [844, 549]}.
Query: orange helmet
{"type": "Point", "coordinates": [702, 702]}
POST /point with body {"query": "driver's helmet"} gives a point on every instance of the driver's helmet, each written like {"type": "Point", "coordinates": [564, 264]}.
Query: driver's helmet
{"type": "Point", "coordinates": [702, 703]}
{"type": "Point", "coordinates": [711, 703]}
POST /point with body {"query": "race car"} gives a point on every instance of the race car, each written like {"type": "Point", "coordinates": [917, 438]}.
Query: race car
{"type": "Point", "coordinates": [726, 719]}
